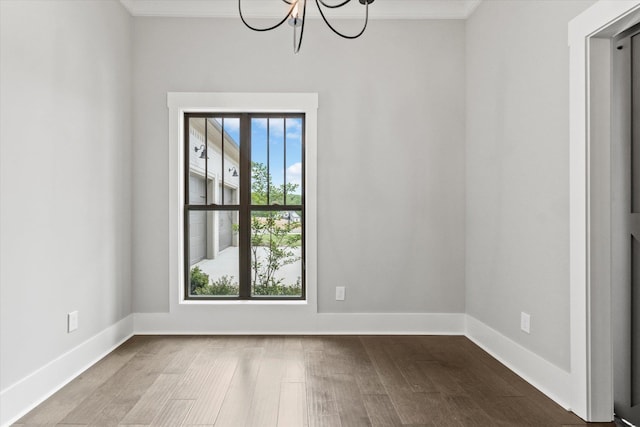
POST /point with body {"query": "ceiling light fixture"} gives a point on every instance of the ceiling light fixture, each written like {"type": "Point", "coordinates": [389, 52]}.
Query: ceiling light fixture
{"type": "Point", "coordinates": [296, 18]}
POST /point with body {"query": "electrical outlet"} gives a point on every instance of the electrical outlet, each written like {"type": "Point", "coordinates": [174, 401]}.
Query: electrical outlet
{"type": "Point", "coordinates": [72, 321]}
{"type": "Point", "coordinates": [339, 293]}
{"type": "Point", "coordinates": [525, 322]}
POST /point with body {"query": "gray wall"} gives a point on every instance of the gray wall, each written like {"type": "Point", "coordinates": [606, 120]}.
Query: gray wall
{"type": "Point", "coordinates": [390, 150]}
{"type": "Point", "coordinates": [391, 158]}
{"type": "Point", "coordinates": [517, 165]}
{"type": "Point", "coordinates": [65, 162]}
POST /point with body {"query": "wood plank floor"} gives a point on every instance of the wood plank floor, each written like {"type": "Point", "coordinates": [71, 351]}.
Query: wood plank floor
{"type": "Point", "coordinates": [299, 381]}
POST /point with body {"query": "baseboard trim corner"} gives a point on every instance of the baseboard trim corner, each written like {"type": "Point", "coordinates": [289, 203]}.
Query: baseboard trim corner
{"type": "Point", "coordinates": [548, 378]}
{"type": "Point", "coordinates": [21, 397]}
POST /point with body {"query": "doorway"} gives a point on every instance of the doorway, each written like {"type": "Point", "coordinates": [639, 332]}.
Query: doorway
{"type": "Point", "coordinates": [625, 223]}
{"type": "Point", "coordinates": [590, 41]}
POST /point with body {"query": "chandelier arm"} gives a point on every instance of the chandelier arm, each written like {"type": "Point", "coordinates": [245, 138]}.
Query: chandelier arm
{"type": "Point", "coordinates": [263, 29]}
{"type": "Point", "coordinates": [296, 49]}
{"type": "Point", "coordinates": [335, 6]}
{"type": "Point", "coordinates": [346, 36]}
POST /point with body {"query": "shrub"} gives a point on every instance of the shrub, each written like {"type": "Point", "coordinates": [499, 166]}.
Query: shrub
{"type": "Point", "coordinates": [223, 286]}
{"type": "Point", "coordinates": [199, 279]}
{"type": "Point", "coordinates": [278, 288]}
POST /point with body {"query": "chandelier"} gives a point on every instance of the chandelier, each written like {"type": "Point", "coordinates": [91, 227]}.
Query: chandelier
{"type": "Point", "coordinates": [296, 15]}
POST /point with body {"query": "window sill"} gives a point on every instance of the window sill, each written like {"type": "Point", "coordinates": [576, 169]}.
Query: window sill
{"type": "Point", "coordinates": [244, 302]}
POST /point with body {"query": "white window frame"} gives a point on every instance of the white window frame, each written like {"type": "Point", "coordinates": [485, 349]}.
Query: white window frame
{"type": "Point", "coordinates": [185, 102]}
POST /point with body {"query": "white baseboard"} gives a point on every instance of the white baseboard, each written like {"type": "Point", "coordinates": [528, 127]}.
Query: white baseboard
{"type": "Point", "coordinates": [290, 323]}
{"type": "Point", "coordinates": [540, 373]}
{"type": "Point", "coordinates": [19, 398]}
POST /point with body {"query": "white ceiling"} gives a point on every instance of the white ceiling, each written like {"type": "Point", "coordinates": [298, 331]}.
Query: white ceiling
{"type": "Point", "coordinates": [380, 9]}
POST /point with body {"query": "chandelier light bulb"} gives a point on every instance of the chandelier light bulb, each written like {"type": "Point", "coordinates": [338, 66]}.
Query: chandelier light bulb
{"type": "Point", "coordinates": [295, 20]}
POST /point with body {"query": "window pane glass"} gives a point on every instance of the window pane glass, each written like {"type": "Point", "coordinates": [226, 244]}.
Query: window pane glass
{"type": "Point", "coordinates": [214, 160]}
{"type": "Point", "coordinates": [228, 147]}
{"type": "Point", "coordinates": [259, 172]}
{"type": "Point", "coordinates": [274, 255]}
{"type": "Point", "coordinates": [294, 162]}
{"type": "Point", "coordinates": [276, 161]}
{"type": "Point", "coordinates": [213, 253]}
{"type": "Point", "coordinates": [276, 243]}
{"type": "Point", "coordinates": [197, 189]}
{"type": "Point", "coordinates": [196, 152]}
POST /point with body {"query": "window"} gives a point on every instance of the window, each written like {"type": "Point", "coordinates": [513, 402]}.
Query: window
{"type": "Point", "coordinates": [244, 212]}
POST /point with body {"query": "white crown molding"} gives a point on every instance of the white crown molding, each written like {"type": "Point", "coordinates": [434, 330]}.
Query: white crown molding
{"type": "Point", "coordinates": [472, 5]}
{"type": "Point", "coordinates": [382, 9]}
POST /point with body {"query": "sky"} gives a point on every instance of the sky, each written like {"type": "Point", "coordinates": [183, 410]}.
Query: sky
{"type": "Point", "coordinates": [273, 137]}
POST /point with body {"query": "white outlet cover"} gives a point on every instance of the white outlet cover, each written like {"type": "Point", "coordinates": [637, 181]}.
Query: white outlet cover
{"type": "Point", "coordinates": [339, 293]}
{"type": "Point", "coordinates": [525, 322]}
{"type": "Point", "coordinates": [72, 321]}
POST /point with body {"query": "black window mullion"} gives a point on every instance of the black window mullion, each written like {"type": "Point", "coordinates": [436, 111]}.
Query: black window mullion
{"type": "Point", "coordinates": [206, 162]}
{"type": "Point", "coordinates": [284, 189]}
{"type": "Point", "coordinates": [303, 192]}
{"type": "Point", "coordinates": [187, 152]}
{"type": "Point", "coordinates": [214, 207]}
{"type": "Point", "coordinates": [222, 202]}
{"type": "Point", "coordinates": [185, 212]}
{"type": "Point", "coordinates": [268, 161]}
{"type": "Point", "coordinates": [244, 222]}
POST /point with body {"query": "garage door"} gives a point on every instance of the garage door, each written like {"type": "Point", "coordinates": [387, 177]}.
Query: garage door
{"type": "Point", "coordinates": [225, 222]}
{"type": "Point", "coordinates": [198, 223]}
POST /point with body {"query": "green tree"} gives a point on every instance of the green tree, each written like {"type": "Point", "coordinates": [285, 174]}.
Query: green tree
{"type": "Point", "coordinates": [262, 188]}
{"type": "Point", "coordinates": [272, 243]}
{"type": "Point", "coordinates": [260, 183]}
{"type": "Point", "coordinates": [273, 234]}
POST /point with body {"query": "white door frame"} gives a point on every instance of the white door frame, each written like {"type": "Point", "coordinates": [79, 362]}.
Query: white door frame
{"type": "Point", "coordinates": [591, 361]}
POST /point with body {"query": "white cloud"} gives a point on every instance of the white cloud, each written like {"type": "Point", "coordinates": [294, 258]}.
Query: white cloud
{"type": "Point", "coordinates": [232, 124]}
{"type": "Point", "coordinates": [261, 123]}
{"type": "Point", "coordinates": [294, 173]}
{"type": "Point", "coordinates": [293, 136]}
{"type": "Point", "coordinates": [276, 127]}
{"type": "Point", "coordinates": [294, 129]}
